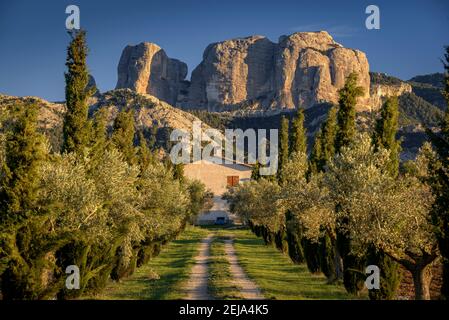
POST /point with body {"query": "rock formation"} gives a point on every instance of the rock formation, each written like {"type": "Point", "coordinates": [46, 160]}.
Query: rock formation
{"type": "Point", "coordinates": [302, 69]}
{"type": "Point", "coordinates": [146, 68]}
{"type": "Point", "coordinates": [379, 92]}
{"type": "Point", "coordinates": [311, 67]}
{"type": "Point", "coordinates": [232, 72]}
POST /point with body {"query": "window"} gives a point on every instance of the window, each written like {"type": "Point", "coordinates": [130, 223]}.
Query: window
{"type": "Point", "coordinates": [233, 181]}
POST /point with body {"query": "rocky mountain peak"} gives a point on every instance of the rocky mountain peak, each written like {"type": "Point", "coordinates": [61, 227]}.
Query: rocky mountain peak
{"type": "Point", "coordinates": [301, 70]}
{"type": "Point", "coordinates": [146, 68]}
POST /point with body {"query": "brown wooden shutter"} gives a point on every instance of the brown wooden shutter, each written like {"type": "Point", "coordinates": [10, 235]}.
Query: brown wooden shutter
{"type": "Point", "coordinates": [232, 180]}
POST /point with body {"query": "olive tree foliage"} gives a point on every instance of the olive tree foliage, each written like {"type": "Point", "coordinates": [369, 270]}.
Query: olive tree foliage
{"type": "Point", "coordinates": [164, 201]}
{"type": "Point", "coordinates": [307, 199]}
{"type": "Point", "coordinates": [391, 214]}
{"type": "Point", "coordinates": [395, 216]}
{"type": "Point", "coordinates": [258, 202]}
{"type": "Point", "coordinates": [97, 205]}
{"type": "Point", "coordinates": [103, 203]}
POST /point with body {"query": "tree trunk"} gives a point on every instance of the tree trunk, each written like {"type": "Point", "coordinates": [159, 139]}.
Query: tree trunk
{"type": "Point", "coordinates": [445, 286]}
{"type": "Point", "coordinates": [421, 269]}
{"type": "Point", "coordinates": [422, 275]}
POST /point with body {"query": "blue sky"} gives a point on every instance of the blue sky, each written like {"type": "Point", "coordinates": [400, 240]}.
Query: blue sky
{"type": "Point", "coordinates": [33, 38]}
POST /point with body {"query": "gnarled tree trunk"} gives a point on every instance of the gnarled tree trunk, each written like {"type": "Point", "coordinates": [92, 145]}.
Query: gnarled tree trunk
{"type": "Point", "coordinates": [422, 276]}
{"type": "Point", "coordinates": [420, 266]}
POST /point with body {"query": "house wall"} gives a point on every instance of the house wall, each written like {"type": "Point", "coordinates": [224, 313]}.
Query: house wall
{"type": "Point", "coordinates": [214, 176]}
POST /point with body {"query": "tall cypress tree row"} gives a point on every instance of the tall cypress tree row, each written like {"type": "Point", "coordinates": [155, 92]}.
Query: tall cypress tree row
{"type": "Point", "coordinates": [283, 147]}
{"type": "Point", "coordinates": [123, 135]}
{"type": "Point", "coordinates": [346, 125]}
{"type": "Point", "coordinates": [385, 136]}
{"type": "Point", "coordinates": [76, 125]}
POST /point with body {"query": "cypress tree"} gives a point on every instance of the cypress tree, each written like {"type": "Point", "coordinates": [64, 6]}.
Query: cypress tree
{"type": "Point", "coordinates": [255, 172]}
{"type": "Point", "coordinates": [327, 257]}
{"type": "Point", "coordinates": [385, 136]}
{"type": "Point", "coordinates": [346, 125]}
{"type": "Point", "coordinates": [283, 147]}
{"type": "Point", "coordinates": [21, 247]}
{"type": "Point", "coordinates": [346, 113]}
{"type": "Point", "coordinates": [76, 125]}
{"type": "Point", "coordinates": [145, 156]}
{"type": "Point", "coordinates": [311, 254]}
{"type": "Point", "coordinates": [293, 234]}
{"type": "Point", "coordinates": [329, 134]}
{"type": "Point", "coordinates": [299, 136]}
{"type": "Point", "coordinates": [99, 138]}
{"type": "Point", "coordinates": [153, 137]}
{"type": "Point", "coordinates": [315, 165]}
{"type": "Point", "coordinates": [385, 133]}
{"type": "Point", "coordinates": [295, 250]}
{"type": "Point", "coordinates": [24, 152]}
{"type": "Point", "coordinates": [99, 134]}
{"type": "Point", "coordinates": [123, 135]}
{"type": "Point", "coordinates": [324, 145]}
{"type": "Point", "coordinates": [178, 172]}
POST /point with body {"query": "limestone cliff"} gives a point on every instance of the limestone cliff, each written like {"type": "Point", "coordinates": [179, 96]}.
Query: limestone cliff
{"type": "Point", "coordinates": [146, 68]}
{"type": "Point", "coordinates": [302, 69]}
{"type": "Point", "coordinates": [384, 86]}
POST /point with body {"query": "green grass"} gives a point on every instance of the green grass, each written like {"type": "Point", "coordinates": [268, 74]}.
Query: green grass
{"type": "Point", "coordinates": [220, 284]}
{"type": "Point", "coordinates": [162, 277]}
{"type": "Point", "coordinates": [276, 275]}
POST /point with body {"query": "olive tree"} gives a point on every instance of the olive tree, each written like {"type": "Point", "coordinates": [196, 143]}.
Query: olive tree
{"type": "Point", "coordinates": [258, 202]}
{"type": "Point", "coordinates": [392, 214]}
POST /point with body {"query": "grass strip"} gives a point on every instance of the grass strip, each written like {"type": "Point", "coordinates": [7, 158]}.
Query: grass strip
{"type": "Point", "coordinates": [277, 276]}
{"type": "Point", "coordinates": [162, 277]}
{"type": "Point", "coordinates": [220, 284]}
